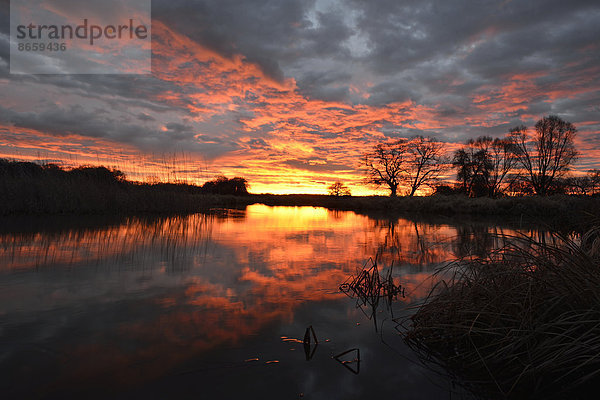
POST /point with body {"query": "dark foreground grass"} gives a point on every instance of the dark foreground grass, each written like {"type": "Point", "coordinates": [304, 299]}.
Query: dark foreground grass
{"type": "Point", "coordinates": [521, 323]}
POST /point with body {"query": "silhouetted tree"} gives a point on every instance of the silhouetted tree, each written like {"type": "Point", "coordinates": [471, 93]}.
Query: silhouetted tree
{"type": "Point", "coordinates": [519, 187]}
{"type": "Point", "coordinates": [385, 165]}
{"type": "Point", "coordinates": [338, 189]}
{"type": "Point", "coordinates": [423, 163]}
{"type": "Point", "coordinates": [473, 239]}
{"type": "Point", "coordinates": [547, 154]}
{"type": "Point", "coordinates": [473, 166]}
{"type": "Point", "coordinates": [594, 176]}
{"type": "Point", "coordinates": [583, 185]}
{"type": "Point", "coordinates": [502, 164]}
{"type": "Point", "coordinates": [234, 186]}
{"type": "Point", "coordinates": [99, 174]}
{"type": "Point", "coordinates": [486, 166]}
{"type": "Point", "coordinates": [412, 163]}
{"type": "Point", "coordinates": [462, 161]}
{"type": "Point", "coordinates": [561, 186]}
{"type": "Point", "coordinates": [579, 185]}
{"type": "Point", "coordinates": [445, 190]}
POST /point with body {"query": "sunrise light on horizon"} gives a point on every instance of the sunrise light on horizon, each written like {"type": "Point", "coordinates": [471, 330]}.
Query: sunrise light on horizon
{"type": "Point", "coordinates": [289, 95]}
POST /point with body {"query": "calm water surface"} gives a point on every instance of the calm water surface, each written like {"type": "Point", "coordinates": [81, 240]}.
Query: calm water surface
{"type": "Point", "coordinates": [215, 306]}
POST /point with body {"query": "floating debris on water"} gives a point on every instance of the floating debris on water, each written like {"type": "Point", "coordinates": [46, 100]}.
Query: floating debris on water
{"type": "Point", "coordinates": [309, 350]}
{"type": "Point", "coordinates": [307, 335]}
{"type": "Point", "coordinates": [352, 364]}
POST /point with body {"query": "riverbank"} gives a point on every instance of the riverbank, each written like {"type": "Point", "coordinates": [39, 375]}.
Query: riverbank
{"type": "Point", "coordinates": [31, 189]}
{"type": "Point", "coordinates": [135, 198]}
{"type": "Point", "coordinates": [530, 206]}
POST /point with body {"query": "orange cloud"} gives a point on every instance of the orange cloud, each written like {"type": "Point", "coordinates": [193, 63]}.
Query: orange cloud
{"type": "Point", "coordinates": [271, 134]}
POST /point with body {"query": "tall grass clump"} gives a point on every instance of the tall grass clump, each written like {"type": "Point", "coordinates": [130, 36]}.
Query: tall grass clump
{"type": "Point", "coordinates": [523, 322]}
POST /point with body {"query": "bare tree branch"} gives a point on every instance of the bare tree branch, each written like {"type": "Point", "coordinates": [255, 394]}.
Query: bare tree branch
{"type": "Point", "coordinates": [385, 165]}
{"type": "Point", "coordinates": [547, 154]}
{"type": "Point", "coordinates": [425, 162]}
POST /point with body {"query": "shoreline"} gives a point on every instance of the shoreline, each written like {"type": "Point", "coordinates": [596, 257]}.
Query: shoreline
{"type": "Point", "coordinates": [31, 189]}
{"type": "Point", "coordinates": [143, 199]}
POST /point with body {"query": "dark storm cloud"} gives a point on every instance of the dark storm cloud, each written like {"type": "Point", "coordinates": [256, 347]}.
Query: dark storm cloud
{"type": "Point", "coordinates": [326, 85]}
{"type": "Point", "coordinates": [77, 120]}
{"type": "Point", "coordinates": [288, 38]}
{"type": "Point", "coordinates": [405, 33]}
{"type": "Point", "coordinates": [481, 43]}
{"type": "Point", "coordinates": [414, 49]}
{"type": "Point", "coordinates": [260, 30]}
{"type": "Point", "coordinates": [60, 122]}
{"type": "Point", "coordinates": [132, 91]}
{"type": "Point", "coordinates": [430, 52]}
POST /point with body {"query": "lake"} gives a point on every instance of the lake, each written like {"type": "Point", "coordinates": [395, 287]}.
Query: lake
{"type": "Point", "coordinates": [217, 305]}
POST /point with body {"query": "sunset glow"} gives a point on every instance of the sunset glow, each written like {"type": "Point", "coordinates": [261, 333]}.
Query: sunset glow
{"type": "Point", "coordinates": [224, 103]}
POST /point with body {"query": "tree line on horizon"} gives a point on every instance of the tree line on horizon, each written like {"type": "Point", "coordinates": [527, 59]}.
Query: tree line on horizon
{"type": "Point", "coordinates": [521, 163]}
{"type": "Point", "coordinates": [102, 176]}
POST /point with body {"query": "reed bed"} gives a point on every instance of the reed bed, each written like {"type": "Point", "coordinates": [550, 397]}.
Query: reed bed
{"type": "Point", "coordinates": [523, 322]}
{"type": "Point", "coordinates": [28, 188]}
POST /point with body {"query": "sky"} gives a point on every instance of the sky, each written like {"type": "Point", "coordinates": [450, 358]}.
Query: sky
{"type": "Point", "coordinates": [290, 93]}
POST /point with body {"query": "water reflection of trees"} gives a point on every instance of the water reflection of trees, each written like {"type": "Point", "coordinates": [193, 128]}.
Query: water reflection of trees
{"type": "Point", "coordinates": [479, 239]}
{"type": "Point", "coordinates": [419, 243]}
{"type": "Point", "coordinates": [411, 242]}
{"type": "Point", "coordinates": [141, 242]}
{"type": "Point", "coordinates": [476, 240]}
